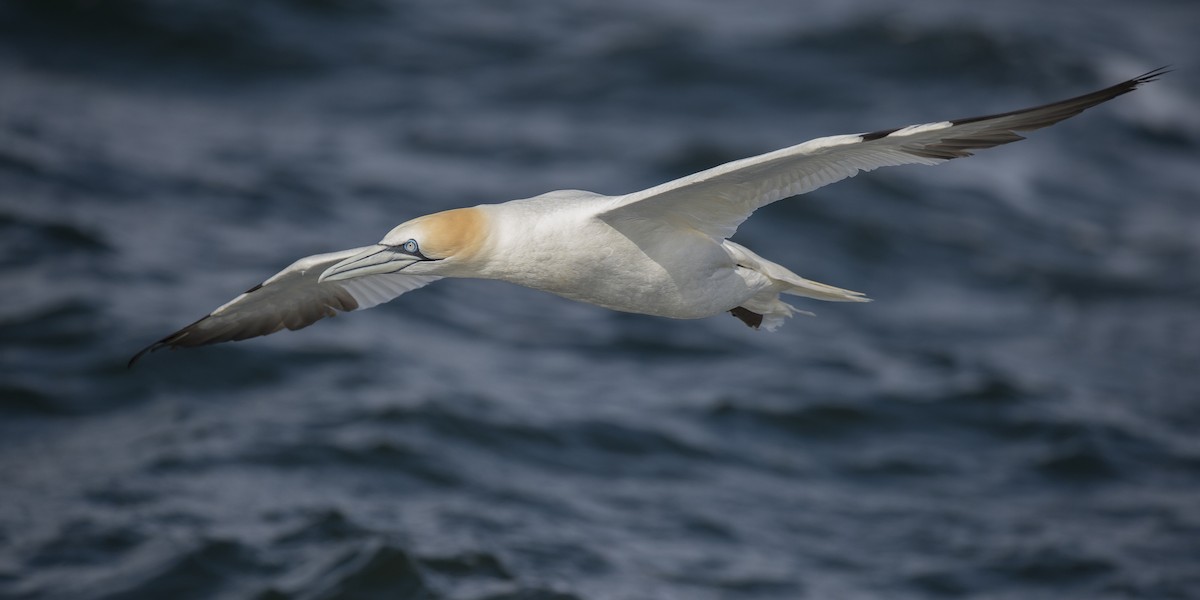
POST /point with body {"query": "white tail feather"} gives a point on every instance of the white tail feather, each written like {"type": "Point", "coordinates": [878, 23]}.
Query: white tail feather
{"type": "Point", "coordinates": [792, 283]}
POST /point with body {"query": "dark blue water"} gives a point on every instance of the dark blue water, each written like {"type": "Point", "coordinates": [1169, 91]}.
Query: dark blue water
{"type": "Point", "coordinates": [1017, 416]}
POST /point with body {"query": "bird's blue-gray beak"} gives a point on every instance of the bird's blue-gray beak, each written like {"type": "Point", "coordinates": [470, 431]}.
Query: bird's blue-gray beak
{"type": "Point", "coordinates": [374, 260]}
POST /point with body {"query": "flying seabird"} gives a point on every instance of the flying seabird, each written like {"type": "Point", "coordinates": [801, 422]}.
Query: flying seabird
{"type": "Point", "coordinates": [662, 251]}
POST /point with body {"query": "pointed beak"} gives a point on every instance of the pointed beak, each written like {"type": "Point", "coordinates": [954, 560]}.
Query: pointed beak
{"type": "Point", "coordinates": [372, 261]}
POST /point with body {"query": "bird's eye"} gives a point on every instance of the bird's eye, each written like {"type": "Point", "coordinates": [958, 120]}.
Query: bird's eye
{"type": "Point", "coordinates": [410, 246]}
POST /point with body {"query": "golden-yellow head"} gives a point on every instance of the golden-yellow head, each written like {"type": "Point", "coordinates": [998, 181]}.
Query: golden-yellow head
{"type": "Point", "coordinates": [456, 234]}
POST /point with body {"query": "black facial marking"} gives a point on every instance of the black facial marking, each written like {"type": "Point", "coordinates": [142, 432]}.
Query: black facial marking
{"type": "Point", "coordinates": [401, 249]}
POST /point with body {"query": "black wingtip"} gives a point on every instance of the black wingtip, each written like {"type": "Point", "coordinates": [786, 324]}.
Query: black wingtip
{"type": "Point", "coordinates": [168, 342]}
{"type": "Point", "coordinates": [1148, 76]}
{"type": "Point", "coordinates": [148, 349]}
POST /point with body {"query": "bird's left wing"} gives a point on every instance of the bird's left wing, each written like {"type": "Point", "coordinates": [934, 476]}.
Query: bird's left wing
{"type": "Point", "coordinates": [717, 200]}
{"type": "Point", "coordinates": [292, 298]}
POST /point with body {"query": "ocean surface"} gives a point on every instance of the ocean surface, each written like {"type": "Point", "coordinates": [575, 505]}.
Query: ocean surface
{"type": "Point", "coordinates": [1016, 416]}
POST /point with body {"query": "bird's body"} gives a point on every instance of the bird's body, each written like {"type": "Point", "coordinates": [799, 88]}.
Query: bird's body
{"type": "Point", "coordinates": [662, 251]}
{"type": "Point", "coordinates": [670, 272]}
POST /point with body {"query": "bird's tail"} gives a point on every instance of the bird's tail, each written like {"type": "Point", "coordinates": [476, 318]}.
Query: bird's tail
{"type": "Point", "coordinates": [766, 309]}
{"type": "Point", "coordinates": [789, 282]}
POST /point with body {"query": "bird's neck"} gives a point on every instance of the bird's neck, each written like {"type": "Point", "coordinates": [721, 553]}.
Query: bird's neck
{"type": "Point", "coordinates": [526, 241]}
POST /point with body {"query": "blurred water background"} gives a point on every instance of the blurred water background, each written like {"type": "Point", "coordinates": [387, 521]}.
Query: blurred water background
{"type": "Point", "coordinates": [1016, 416]}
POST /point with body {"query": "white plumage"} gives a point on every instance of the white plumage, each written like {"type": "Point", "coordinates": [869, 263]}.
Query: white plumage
{"type": "Point", "coordinates": [661, 251]}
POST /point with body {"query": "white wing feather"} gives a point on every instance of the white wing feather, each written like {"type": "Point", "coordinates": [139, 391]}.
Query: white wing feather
{"type": "Point", "coordinates": [291, 299]}
{"type": "Point", "coordinates": [719, 199]}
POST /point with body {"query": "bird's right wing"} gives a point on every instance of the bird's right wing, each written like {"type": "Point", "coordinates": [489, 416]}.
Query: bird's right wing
{"type": "Point", "coordinates": [717, 200]}
{"type": "Point", "coordinates": [292, 298]}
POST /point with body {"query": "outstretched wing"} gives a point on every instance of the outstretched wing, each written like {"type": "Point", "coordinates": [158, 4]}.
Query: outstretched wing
{"type": "Point", "coordinates": [293, 299]}
{"type": "Point", "coordinates": [717, 200]}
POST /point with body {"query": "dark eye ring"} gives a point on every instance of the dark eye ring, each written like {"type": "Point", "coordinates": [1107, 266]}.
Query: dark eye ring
{"type": "Point", "coordinates": [410, 246]}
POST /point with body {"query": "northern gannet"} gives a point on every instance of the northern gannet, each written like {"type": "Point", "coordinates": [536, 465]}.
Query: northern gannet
{"type": "Point", "coordinates": [662, 251]}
